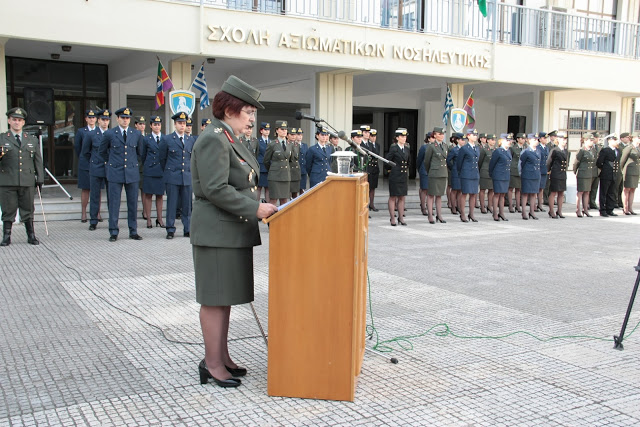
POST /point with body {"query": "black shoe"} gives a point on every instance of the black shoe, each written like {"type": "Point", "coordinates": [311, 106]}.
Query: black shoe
{"type": "Point", "coordinates": [604, 214]}
{"type": "Point", "coordinates": [392, 224]}
{"type": "Point", "coordinates": [440, 220]}
{"type": "Point", "coordinates": [158, 224]}
{"type": "Point", "coordinates": [144, 217]}
{"type": "Point", "coordinates": [502, 218]}
{"type": "Point", "coordinates": [612, 214]}
{"type": "Point", "coordinates": [496, 219]}
{"type": "Point", "coordinates": [463, 219]}
{"type": "Point", "coordinates": [135, 237]}
{"type": "Point", "coordinates": [149, 225]}
{"type": "Point", "coordinates": [541, 209]}
{"type": "Point", "coordinates": [113, 237]}
{"type": "Point", "coordinates": [187, 234]}
{"type": "Point", "coordinates": [6, 233]}
{"type": "Point", "coordinates": [31, 236]}
{"type": "Point", "coordinates": [633, 213]}
{"type": "Point", "coordinates": [237, 372]}
{"type": "Point", "coordinates": [100, 220]}
{"type": "Point", "coordinates": [473, 219]}
{"type": "Point", "coordinates": [559, 215]}
{"type": "Point", "coordinates": [533, 216]}
{"type": "Point", "coordinates": [92, 227]}
{"type": "Point", "coordinates": [373, 208]}
{"type": "Point", "coordinates": [169, 235]}
{"type": "Point", "coordinates": [402, 222]}
{"type": "Point", "coordinates": [205, 375]}
{"type": "Point", "coordinates": [83, 220]}
{"type": "Point", "coordinates": [179, 216]}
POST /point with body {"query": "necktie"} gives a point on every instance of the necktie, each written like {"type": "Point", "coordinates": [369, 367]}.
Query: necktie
{"type": "Point", "coordinates": [324, 149]}
{"type": "Point", "coordinates": [158, 139]}
{"type": "Point", "coordinates": [124, 135]}
{"type": "Point", "coordinates": [18, 139]}
{"type": "Point", "coordinates": [284, 146]}
{"type": "Point", "coordinates": [181, 141]}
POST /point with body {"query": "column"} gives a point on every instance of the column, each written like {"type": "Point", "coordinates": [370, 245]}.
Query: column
{"type": "Point", "coordinates": [546, 120]}
{"type": "Point", "coordinates": [3, 87]}
{"type": "Point", "coordinates": [334, 99]}
{"type": "Point", "coordinates": [626, 115]}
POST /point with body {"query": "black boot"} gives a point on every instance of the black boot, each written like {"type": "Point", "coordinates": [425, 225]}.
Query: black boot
{"type": "Point", "coordinates": [31, 236]}
{"type": "Point", "coordinates": [6, 233]}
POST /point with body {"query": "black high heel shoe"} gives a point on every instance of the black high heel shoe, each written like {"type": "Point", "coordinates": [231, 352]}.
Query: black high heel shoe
{"type": "Point", "coordinates": [502, 217]}
{"type": "Point", "coordinates": [496, 219]}
{"type": "Point", "coordinates": [402, 222]}
{"type": "Point", "coordinates": [424, 212]}
{"type": "Point", "coordinates": [462, 218]}
{"type": "Point", "coordinates": [440, 220]}
{"type": "Point", "coordinates": [586, 213]}
{"type": "Point", "coordinates": [578, 214]}
{"type": "Point", "coordinates": [532, 216]}
{"type": "Point", "coordinates": [559, 215]}
{"type": "Point", "coordinates": [236, 372]}
{"type": "Point", "coordinates": [489, 210]}
{"type": "Point", "coordinates": [431, 221]}
{"type": "Point", "coordinates": [149, 225]}
{"type": "Point", "coordinates": [472, 219]}
{"type": "Point", "coordinates": [205, 375]}
{"type": "Point", "coordinates": [551, 215]}
{"type": "Point", "coordinates": [158, 224]}
{"type": "Point", "coordinates": [392, 224]}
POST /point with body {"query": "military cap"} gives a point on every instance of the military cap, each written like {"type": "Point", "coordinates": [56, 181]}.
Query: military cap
{"type": "Point", "coordinates": [321, 129]}
{"type": "Point", "coordinates": [437, 129]}
{"type": "Point", "coordinates": [104, 114]}
{"type": "Point", "coordinates": [300, 131]}
{"type": "Point", "coordinates": [155, 119]}
{"type": "Point", "coordinates": [624, 134]}
{"type": "Point", "coordinates": [521, 135]}
{"type": "Point", "coordinates": [482, 135]}
{"type": "Point", "coordinates": [17, 113]}
{"type": "Point", "coordinates": [373, 132]}
{"type": "Point", "coordinates": [281, 124]}
{"type": "Point", "coordinates": [90, 113]}
{"type": "Point", "coordinates": [561, 135]}
{"type": "Point", "coordinates": [427, 136]}
{"type": "Point", "coordinates": [206, 122]}
{"type": "Point", "coordinates": [243, 91]}
{"type": "Point", "coordinates": [356, 132]}
{"type": "Point", "coordinates": [179, 117]}
{"type": "Point", "coordinates": [265, 125]}
{"type": "Point", "coordinates": [472, 131]}
{"type": "Point", "coordinates": [596, 134]}
{"type": "Point", "coordinates": [189, 121]}
{"type": "Point", "coordinates": [509, 136]}
{"type": "Point", "coordinates": [140, 119]}
{"type": "Point", "coordinates": [457, 135]}
{"type": "Point", "coordinates": [553, 133]}
{"type": "Point", "coordinates": [533, 136]}
{"type": "Point", "coordinates": [542, 134]}
{"type": "Point", "coordinates": [401, 132]}
{"type": "Point", "coordinates": [124, 112]}
{"type": "Point", "coordinates": [491, 136]}
{"type": "Point", "coordinates": [614, 136]}
{"type": "Point", "coordinates": [292, 131]}
{"type": "Point", "coordinates": [587, 135]}
{"type": "Point", "coordinates": [366, 128]}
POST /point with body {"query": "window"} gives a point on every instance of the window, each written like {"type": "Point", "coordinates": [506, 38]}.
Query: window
{"type": "Point", "coordinates": [576, 122]}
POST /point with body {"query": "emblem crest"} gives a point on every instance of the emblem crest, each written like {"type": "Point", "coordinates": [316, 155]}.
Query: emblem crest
{"type": "Point", "coordinates": [217, 130]}
{"type": "Point", "coordinates": [182, 101]}
{"type": "Point", "coordinates": [458, 119]}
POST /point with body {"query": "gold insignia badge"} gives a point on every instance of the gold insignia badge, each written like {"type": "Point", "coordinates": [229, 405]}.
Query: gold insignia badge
{"type": "Point", "coordinates": [141, 118]}
{"type": "Point", "coordinates": [105, 113]}
{"type": "Point", "coordinates": [183, 116]}
{"type": "Point", "coordinates": [250, 175]}
{"type": "Point", "coordinates": [284, 124]}
{"type": "Point", "coordinates": [208, 121]}
{"type": "Point", "coordinates": [217, 130]}
{"type": "Point", "coordinates": [127, 111]}
{"type": "Point", "coordinates": [91, 113]}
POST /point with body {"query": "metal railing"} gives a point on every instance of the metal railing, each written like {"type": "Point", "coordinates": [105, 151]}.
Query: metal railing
{"type": "Point", "coordinates": [507, 24]}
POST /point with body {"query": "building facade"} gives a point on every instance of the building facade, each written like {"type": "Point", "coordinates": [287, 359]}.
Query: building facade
{"type": "Point", "coordinates": [540, 65]}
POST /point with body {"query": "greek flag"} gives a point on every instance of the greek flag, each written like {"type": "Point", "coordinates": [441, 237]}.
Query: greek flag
{"type": "Point", "coordinates": [448, 106]}
{"type": "Point", "coordinates": [200, 83]}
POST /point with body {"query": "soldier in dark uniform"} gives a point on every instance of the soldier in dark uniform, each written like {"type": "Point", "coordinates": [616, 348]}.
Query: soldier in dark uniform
{"type": "Point", "coordinates": [360, 161]}
{"type": "Point", "coordinates": [422, 172]}
{"type": "Point", "coordinates": [140, 124]}
{"type": "Point", "coordinates": [486, 183]}
{"type": "Point", "coordinates": [276, 160]}
{"type": "Point", "coordinates": [514, 182]}
{"type": "Point", "coordinates": [609, 163]}
{"type": "Point", "coordinates": [595, 180]}
{"type": "Point", "coordinates": [529, 169]}
{"type": "Point", "coordinates": [175, 160]}
{"type": "Point", "coordinates": [373, 169]}
{"type": "Point", "coordinates": [21, 171]}
{"type": "Point", "coordinates": [467, 167]}
{"type": "Point", "coordinates": [121, 148]}
{"type": "Point", "coordinates": [557, 166]}
{"type": "Point", "coordinates": [304, 148]}
{"type": "Point", "coordinates": [84, 135]}
{"type": "Point", "coordinates": [630, 165]}
{"type": "Point", "coordinates": [398, 176]}
{"type": "Point", "coordinates": [318, 158]}
{"type": "Point", "coordinates": [500, 172]}
{"type": "Point", "coordinates": [294, 162]}
{"type": "Point", "coordinates": [189, 128]}
{"type": "Point", "coordinates": [625, 140]}
{"type": "Point", "coordinates": [543, 150]}
{"type": "Point", "coordinates": [204, 123]}
{"type": "Point", "coordinates": [551, 144]}
{"type": "Point", "coordinates": [263, 142]}
{"type": "Point", "coordinates": [334, 143]}
{"type": "Point", "coordinates": [97, 172]}
{"type": "Point", "coordinates": [457, 140]}
{"type": "Point", "coordinates": [583, 168]}
{"type": "Point", "coordinates": [152, 181]}
{"type": "Point", "coordinates": [435, 164]}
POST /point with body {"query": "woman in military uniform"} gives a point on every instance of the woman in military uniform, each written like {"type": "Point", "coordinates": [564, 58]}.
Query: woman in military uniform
{"type": "Point", "coordinates": [486, 183]}
{"type": "Point", "coordinates": [422, 172]}
{"type": "Point", "coordinates": [276, 160]}
{"type": "Point", "coordinates": [399, 154]}
{"type": "Point", "coordinates": [630, 163]}
{"type": "Point", "coordinates": [514, 181]}
{"type": "Point", "coordinates": [583, 168]}
{"type": "Point", "coordinates": [360, 161]}
{"type": "Point", "coordinates": [435, 163]}
{"type": "Point", "coordinates": [467, 165]}
{"type": "Point", "coordinates": [529, 169]}
{"type": "Point", "coordinates": [500, 172]}
{"type": "Point", "coordinates": [294, 162]}
{"type": "Point", "coordinates": [152, 173]}
{"type": "Point", "coordinates": [224, 227]}
{"type": "Point", "coordinates": [454, 179]}
{"type": "Point", "coordinates": [557, 165]}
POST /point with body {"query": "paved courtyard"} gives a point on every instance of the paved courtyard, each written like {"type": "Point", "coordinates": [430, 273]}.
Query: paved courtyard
{"type": "Point", "coordinates": [100, 333]}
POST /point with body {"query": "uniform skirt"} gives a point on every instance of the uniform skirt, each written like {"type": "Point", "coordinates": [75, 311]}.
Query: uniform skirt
{"type": "Point", "coordinates": [398, 188]}
{"type": "Point", "coordinates": [279, 189]}
{"type": "Point", "coordinates": [373, 180]}
{"type": "Point", "coordinates": [264, 180]}
{"type": "Point", "coordinates": [469, 186]}
{"type": "Point", "coordinates": [424, 181]}
{"type": "Point", "coordinates": [152, 185]}
{"type": "Point", "coordinates": [584, 184]}
{"type": "Point", "coordinates": [529, 186]}
{"type": "Point", "coordinates": [514, 182]}
{"type": "Point", "coordinates": [543, 181]}
{"type": "Point", "coordinates": [224, 276]}
{"type": "Point", "coordinates": [437, 186]}
{"type": "Point", "coordinates": [557, 185]}
{"type": "Point", "coordinates": [294, 187]}
{"type": "Point", "coordinates": [83, 180]}
{"type": "Point", "coordinates": [455, 182]}
{"type": "Point", "coordinates": [486, 184]}
{"type": "Point", "coordinates": [500, 186]}
{"type": "Point", "coordinates": [630, 181]}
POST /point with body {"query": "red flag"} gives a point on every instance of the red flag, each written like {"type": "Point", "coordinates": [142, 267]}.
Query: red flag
{"type": "Point", "coordinates": [163, 82]}
{"type": "Point", "coordinates": [471, 111]}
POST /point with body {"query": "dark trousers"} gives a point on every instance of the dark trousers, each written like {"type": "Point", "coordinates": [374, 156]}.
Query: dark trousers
{"type": "Point", "coordinates": [96, 183]}
{"type": "Point", "coordinates": [607, 195]}
{"type": "Point", "coordinates": [594, 191]}
{"type": "Point", "coordinates": [115, 192]}
{"type": "Point", "coordinates": [619, 188]}
{"type": "Point", "coordinates": [181, 194]}
{"type": "Point", "coordinates": [13, 198]}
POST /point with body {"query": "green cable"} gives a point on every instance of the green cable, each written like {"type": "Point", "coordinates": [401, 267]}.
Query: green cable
{"type": "Point", "coordinates": [404, 341]}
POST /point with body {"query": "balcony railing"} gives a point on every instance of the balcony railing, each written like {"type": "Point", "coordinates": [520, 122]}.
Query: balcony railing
{"type": "Point", "coordinates": [507, 24]}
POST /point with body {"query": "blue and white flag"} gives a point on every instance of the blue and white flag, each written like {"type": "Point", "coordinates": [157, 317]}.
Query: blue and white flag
{"type": "Point", "coordinates": [448, 106]}
{"type": "Point", "coordinates": [200, 83]}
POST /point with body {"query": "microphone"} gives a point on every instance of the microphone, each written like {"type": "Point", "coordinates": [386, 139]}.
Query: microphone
{"type": "Point", "coordinates": [343, 136]}
{"type": "Point", "coordinates": [300, 116]}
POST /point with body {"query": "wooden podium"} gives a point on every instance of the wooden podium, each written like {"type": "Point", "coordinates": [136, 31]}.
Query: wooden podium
{"type": "Point", "coordinates": [317, 291]}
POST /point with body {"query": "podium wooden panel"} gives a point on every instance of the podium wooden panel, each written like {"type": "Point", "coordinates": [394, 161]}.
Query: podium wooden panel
{"type": "Point", "coordinates": [317, 291]}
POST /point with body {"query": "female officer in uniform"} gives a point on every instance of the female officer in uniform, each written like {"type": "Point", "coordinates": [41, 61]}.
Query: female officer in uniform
{"type": "Point", "coordinates": [557, 165]}
{"type": "Point", "coordinates": [224, 225]}
{"type": "Point", "coordinates": [276, 160]}
{"type": "Point", "coordinates": [500, 172]}
{"type": "Point", "coordinates": [152, 173]}
{"type": "Point", "coordinates": [630, 164]}
{"type": "Point", "coordinates": [467, 165]}
{"type": "Point", "coordinates": [486, 183]}
{"type": "Point", "coordinates": [514, 181]}
{"type": "Point", "coordinates": [454, 179]}
{"type": "Point", "coordinates": [529, 169]}
{"type": "Point", "coordinates": [435, 163]}
{"type": "Point", "coordinates": [583, 168]}
{"type": "Point", "coordinates": [399, 154]}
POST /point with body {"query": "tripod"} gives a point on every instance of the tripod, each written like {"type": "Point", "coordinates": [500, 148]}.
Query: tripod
{"type": "Point", "coordinates": [57, 183]}
{"type": "Point", "coordinates": [618, 338]}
